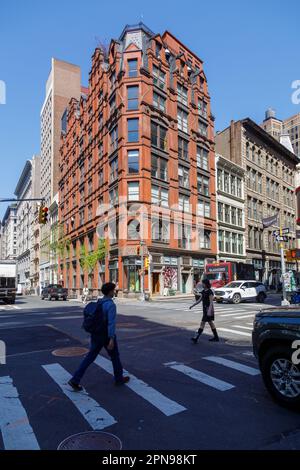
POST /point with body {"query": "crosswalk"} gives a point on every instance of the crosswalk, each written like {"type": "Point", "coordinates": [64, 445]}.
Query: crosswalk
{"type": "Point", "coordinates": [18, 433]}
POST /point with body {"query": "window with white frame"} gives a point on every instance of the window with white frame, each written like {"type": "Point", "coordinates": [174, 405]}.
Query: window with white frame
{"type": "Point", "coordinates": [183, 177]}
{"type": "Point", "coordinates": [202, 158]}
{"type": "Point", "coordinates": [184, 203]}
{"type": "Point", "coordinates": [159, 77]}
{"type": "Point", "coordinates": [182, 94]}
{"type": "Point", "coordinates": [203, 208]}
{"type": "Point", "coordinates": [159, 102]}
{"type": "Point", "coordinates": [182, 117]}
{"type": "Point", "coordinates": [133, 191]}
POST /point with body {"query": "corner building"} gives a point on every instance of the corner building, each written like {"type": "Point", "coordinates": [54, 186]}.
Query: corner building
{"type": "Point", "coordinates": [137, 165]}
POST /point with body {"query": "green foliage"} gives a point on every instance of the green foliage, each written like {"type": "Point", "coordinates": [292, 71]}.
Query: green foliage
{"type": "Point", "coordinates": [88, 260]}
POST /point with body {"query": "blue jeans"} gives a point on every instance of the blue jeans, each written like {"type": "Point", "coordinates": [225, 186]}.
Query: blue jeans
{"type": "Point", "coordinates": [97, 343]}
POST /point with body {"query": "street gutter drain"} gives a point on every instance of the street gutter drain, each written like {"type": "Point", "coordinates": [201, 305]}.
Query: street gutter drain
{"type": "Point", "coordinates": [70, 352]}
{"type": "Point", "coordinates": [91, 440]}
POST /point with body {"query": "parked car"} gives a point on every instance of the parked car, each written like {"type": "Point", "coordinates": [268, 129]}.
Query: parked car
{"type": "Point", "coordinates": [274, 332]}
{"type": "Point", "coordinates": [54, 291]}
{"type": "Point", "coordinates": [237, 291]}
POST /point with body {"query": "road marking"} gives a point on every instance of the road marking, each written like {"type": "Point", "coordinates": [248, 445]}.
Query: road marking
{"type": "Point", "coordinates": [200, 376]}
{"type": "Point", "coordinates": [93, 413]}
{"type": "Point", "coordinates": [233, 314]}
{"type": "Point", "coordinates": [16, 431]}
{"type": "Point", "coordinates": [15, 307]}
{"type": "Point", "coordinates": [164, 404]}
{"type": "Point", "coordinates": [243, 327]}
{"type": "Point", "coordinates": [233, 365]}
{"type": "Point", "coordinates": [245, 316]}
{"type": "Point", "coordinates": [249, 323]}
{"type": "Point", "coordinates": [66, 317]}
{"type": "Point", "coordinates": [227, 330]}
{"type": "Point", "coordinates": [12, 323]}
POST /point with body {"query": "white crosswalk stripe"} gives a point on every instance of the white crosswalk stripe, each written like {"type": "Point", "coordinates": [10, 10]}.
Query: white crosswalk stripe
{"type": "Point", "coordinates": [17, 434]}
{"type": "Point", "coordinates": [97, 417]}
{"type": "Point", "coordinates": [200, 376]}
{"type": "Point", "coordinates": [243, 327]}
{"type": "Point", "coordinates": [236, 332]}
{"type": "Point", "coordinates": [244, 316]}
{"type": "Point", "coordinates": [157, 399]}
{"type": "Point", "coordinates": [233, 365]}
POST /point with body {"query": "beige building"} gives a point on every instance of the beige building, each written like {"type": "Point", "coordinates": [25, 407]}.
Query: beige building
{"type": "Point", "coordinates": [8, 249]}
{"type": "Point", "coordinates": [287, 131]}
{"type": "Point", "coordinates": [291, 126]}
{"type": "Point", "coordinates": [269, 190]}
{"type": "Point", "coordinates": [63, 83]}
{"type": "Point", "coordinates": [230, 210]}
{"type": "Point", "coordinates": [28, 187]}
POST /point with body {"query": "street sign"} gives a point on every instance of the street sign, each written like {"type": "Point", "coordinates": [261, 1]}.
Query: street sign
{"type": "Point", "coordinates": [282, 238]}
{"type": "Point", "coordinates": [275, 233]}
{"type": "Point", "coordinates": [284, 231]}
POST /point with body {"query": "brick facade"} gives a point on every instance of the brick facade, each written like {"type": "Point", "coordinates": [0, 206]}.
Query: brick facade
{"type": "Point", "coordinates": [137, 162]}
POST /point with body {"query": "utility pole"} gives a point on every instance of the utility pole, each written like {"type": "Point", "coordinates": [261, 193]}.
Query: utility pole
{"type": "Point", "coordinates": [142, 297]}
{"type": "Point", "coordinates": [283, 271]}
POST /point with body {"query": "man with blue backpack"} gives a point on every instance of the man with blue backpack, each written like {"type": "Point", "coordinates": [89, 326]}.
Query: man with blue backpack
{"type": "Point", "coordinates": [100, 322]}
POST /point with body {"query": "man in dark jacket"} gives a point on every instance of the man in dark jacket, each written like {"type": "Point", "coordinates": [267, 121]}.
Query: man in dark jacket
{"type": "Point", "coordinates": [107, 340]}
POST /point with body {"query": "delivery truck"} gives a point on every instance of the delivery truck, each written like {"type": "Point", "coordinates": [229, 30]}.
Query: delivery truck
{"type": "Point", "coordinates": [222, 273]}
{"type": "Point", "coordinates": [8, 281]}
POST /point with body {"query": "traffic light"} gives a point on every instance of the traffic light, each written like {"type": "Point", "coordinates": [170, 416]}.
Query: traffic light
{"type": "Point", "coordinates": [147, 262]}
{"type": "Point", "coordinates": [43, 215]}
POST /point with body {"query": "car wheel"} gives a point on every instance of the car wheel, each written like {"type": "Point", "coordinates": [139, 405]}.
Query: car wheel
{"type": "Point", "coordinates": [281, 376]}
{"type": "Point", "coordinates": [236, 298]}
{"type": "Point", "coordinates": [261, 298]}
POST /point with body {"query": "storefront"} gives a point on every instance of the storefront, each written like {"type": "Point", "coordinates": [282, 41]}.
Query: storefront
{"type": "Point", "coordinates": [170, 275]}
{"type": "Point", "coordinates": [258, 266]}
{"type": "Point", "coordinates": [113, 267]}
{"type": "Point", "coordinates": [132, 275]}
{"type": "Point", "coordinates": [198, 270]}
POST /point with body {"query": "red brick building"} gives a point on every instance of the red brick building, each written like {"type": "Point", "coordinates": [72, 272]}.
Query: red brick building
{"type": "Point", "coordinates": [137, 164]}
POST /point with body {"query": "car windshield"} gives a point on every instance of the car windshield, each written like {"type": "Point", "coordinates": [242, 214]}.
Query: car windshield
{"type": "Point", "coordinates": [234, 284]}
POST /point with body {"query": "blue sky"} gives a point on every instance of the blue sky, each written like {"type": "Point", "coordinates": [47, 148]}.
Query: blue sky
{"type": "Point", "coordinates": [250, 52]}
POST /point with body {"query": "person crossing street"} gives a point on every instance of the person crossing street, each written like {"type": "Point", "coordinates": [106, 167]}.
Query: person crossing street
{"type": "Point", "coordinates": [207, 298]}
{"type": "Point", "coordinates": [103, 335]}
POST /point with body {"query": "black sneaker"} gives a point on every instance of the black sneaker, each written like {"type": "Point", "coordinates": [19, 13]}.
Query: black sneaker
{"type": "Point", "coordinates": [76, 387]}
{"type": "Point", "coordinates": [194, 340]}
{"type": "Point", "coordinates": [123, 381]}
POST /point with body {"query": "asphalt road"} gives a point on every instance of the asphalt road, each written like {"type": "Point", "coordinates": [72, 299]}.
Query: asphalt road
{"type": "Point", "coordinates": [181, 396]}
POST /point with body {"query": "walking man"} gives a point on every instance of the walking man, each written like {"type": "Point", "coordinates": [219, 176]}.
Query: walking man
{"type": "Point", "coordinates": [106, 338]}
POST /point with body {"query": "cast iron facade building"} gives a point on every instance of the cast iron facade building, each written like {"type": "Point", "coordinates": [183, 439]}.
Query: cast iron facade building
{"type": "Point", "coordinates": [269, 189]}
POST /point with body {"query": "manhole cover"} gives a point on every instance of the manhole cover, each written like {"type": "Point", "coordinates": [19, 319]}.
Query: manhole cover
{"type": "Point", "coordinates": [92, 440]}
{"type": "Point", "coordinates": [69, 352]}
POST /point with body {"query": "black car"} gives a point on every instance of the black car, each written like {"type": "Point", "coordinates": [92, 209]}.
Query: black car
{"type": "Point", "coordinates": [276, 344]}
{"type": "Point", "coordinates": [54, 291]}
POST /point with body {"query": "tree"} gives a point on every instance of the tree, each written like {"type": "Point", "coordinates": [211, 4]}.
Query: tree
{"type": "Point", "coordinates": [88, 260]}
